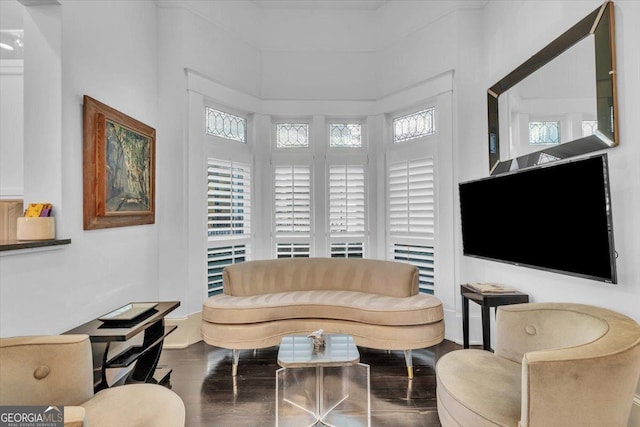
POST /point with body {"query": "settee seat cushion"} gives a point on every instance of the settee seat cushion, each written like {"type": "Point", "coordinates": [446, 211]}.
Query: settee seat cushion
{"type": "Point", "coordinates": [352, 306]}
{"type": "Point", "coordinates": [480, 388]}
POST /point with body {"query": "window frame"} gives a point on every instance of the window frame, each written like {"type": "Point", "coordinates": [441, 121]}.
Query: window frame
{"type": "Point", "coordinates": [233, 151]}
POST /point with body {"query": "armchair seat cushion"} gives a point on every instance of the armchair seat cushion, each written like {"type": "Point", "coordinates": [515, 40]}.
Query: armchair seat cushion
{"type": "Point", "coordinates": [135, 405]}
{"type": "Point", "coordinates": [480, 388]}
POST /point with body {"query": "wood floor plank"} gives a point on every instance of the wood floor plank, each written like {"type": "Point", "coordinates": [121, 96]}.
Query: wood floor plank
{"type": "Point", "coordinates": [202, 378]}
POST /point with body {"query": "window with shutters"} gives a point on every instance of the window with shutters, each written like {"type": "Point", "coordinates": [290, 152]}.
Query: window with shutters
{"type": "Point", "coordinates": [411, 222]}
{"type": "Point", "coordinates": [229, 202]}
{"type": "Point", "coordinates": [228, 217]}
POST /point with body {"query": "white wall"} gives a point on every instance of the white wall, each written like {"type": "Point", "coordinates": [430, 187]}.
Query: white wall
{"type": "Point", "coordinates": [11, 129]}
{"type": "Point", "coordinates": [109, 53]}
{"type": "Point", "coordinates": [513, 31]}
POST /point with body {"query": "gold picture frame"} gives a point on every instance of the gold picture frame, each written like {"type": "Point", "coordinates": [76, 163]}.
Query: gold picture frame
{"type": "Point", "coordinates": [118, 168]}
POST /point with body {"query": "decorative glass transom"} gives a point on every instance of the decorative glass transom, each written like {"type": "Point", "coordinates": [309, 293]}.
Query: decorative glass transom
{"type": "Point", "coordinates": [544, 132]}
{"type": "Point", "coordinates": [414, 125]}
{"type": "Point", "coordinates": [345, 135]}
{"type": "Point", "coordinates": [225, 125]}
{"type": "Point", "coordinates": [292, 135]}
{"type": "Point", "coordinates": [589, 127]}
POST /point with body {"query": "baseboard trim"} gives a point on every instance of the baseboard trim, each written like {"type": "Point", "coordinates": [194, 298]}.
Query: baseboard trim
{"type": "Point", "coordinates": [187, 333]}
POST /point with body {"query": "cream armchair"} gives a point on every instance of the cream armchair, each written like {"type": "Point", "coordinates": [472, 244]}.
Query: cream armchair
{"type": "Point", "coordinates": [554, 365]}
{"type": "Point", "coordinates": [57, 371]}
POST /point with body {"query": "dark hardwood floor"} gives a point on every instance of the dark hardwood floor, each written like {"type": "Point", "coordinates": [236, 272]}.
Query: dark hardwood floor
{"type": "Point", "coordinates": [202, 378]}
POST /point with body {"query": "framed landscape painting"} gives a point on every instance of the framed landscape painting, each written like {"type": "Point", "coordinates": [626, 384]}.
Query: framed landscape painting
{"type": "Point", "coordinates": [119, 168]}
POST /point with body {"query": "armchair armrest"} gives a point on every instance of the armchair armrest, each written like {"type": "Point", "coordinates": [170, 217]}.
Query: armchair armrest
{"type": "Point", "coordinates": [46, 370]}
{"type": "Point", "coordinates": [74, 416]}
{"type": "Point", "coordinates": [570, 387]}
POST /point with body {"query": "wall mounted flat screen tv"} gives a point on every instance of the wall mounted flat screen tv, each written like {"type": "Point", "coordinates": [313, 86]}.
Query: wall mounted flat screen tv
{"type": "Point", "coordinates": [555, 217]}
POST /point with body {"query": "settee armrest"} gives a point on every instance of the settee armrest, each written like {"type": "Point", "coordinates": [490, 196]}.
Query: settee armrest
{"type": "Point", "coordinates": [74, 416]}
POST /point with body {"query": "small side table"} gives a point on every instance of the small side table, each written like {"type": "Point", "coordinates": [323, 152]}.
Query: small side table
{"type": "Point", "coordinates": [339, 391]}
{"type": "Point", "coordinates": [486, 301]}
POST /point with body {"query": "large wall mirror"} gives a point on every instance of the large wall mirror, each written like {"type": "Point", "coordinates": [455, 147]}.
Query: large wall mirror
{"type": "Point", "coordinates": [561, 102]}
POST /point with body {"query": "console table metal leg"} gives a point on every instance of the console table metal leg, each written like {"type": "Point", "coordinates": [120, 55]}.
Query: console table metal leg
{"type": "Point", "coordinates": [486, 328]}
{"type": "Point", "coordinates": [465, 322]}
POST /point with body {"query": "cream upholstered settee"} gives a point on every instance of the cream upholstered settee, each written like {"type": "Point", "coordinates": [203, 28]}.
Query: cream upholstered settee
{"type": "Point", "coordinates": [555, 364]}
{"type": "Point", "coordinates": [57, 370]}
{"type": "Point", "coordinates": [376, 302]}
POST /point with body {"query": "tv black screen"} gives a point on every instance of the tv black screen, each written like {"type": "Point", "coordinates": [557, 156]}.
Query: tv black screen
{"type": "Point", "coordinates": [555, 217]}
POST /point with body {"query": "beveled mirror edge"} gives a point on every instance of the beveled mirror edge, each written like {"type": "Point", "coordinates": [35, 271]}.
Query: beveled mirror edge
{"type": "Point", "coordinates": [585, 27]}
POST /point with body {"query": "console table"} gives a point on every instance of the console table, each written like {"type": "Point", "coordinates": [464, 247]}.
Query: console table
{"type": "Point", "coordinates": [146, 355]}
{"type": "Point", "coordinates": [486, 301]}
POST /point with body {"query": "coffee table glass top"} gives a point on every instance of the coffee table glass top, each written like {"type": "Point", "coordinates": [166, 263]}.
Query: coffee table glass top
{"type": "Point", "coordinates": [296, 351]}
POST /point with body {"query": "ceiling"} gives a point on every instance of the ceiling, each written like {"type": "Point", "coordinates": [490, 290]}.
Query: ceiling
{"type": "Point", "coordinates": [321, 4]}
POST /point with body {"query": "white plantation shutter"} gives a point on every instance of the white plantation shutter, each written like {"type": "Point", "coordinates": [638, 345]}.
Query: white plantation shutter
{"type": "Point", "coordinates": [346, 200]}
{"type": "Point", "coordinates": [228, 198]}
{"type": "Point", "coordinates": [293, 250]}
{"type": "Point", "coordinates": [220, 257]}
{"type": "Point", "coordinates": [292, 200]}
{"type": "Point", "coordinates": [411, 208]}
{"type": "Point", "coordinates": [421, 257]}
{"type": "Point", "coordinates": [411, 198]}
{"type": "Point", "coordinates": [347, 250]}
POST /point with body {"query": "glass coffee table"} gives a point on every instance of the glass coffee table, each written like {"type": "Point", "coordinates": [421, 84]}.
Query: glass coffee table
{"type": "Point", "coordinates": [325, 387]}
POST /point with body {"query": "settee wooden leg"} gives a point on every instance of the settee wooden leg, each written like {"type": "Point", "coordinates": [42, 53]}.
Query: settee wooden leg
{"type": "Point", "coordinates": [409, 361]}
{"type": "Point", "coordinates": [236, 359]}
